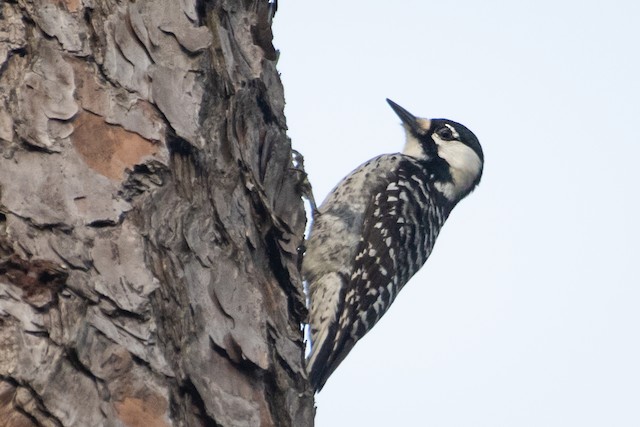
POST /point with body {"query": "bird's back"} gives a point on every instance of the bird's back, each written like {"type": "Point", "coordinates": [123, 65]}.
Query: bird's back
{"type": "Point", "coordinates": [342, 214]}
{"type": "Point", "coordinates": [382, 212]}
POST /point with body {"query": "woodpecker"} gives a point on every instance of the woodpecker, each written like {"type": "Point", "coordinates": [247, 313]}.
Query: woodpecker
{"type": "Point", "coordinates": [377, 228]}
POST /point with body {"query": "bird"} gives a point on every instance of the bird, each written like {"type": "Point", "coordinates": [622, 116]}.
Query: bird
{"type": "Point", "coordinates": [377, 228]}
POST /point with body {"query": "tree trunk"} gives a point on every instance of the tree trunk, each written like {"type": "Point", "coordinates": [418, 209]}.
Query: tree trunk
{"type": "Point", "coordinates": [150, 219]}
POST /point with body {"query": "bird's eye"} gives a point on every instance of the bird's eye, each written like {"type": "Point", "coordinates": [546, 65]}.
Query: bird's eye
{"type": "Point", "coordinates": [445, 133]}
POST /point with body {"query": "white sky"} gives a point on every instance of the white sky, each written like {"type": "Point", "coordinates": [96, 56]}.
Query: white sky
{"type": "Point", "coordinates": [528, 311]}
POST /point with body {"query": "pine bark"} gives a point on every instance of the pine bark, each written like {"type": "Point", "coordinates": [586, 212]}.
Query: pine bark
{"type": "Point", "coordinates": [150, 219]}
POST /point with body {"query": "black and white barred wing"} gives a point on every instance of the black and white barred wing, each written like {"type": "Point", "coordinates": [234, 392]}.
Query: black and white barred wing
{"type": "Point", "coordinates": [399, 229]}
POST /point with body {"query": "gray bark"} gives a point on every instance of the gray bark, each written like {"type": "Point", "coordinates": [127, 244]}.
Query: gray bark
{"type": "Point", "coordinates": [150, 219]}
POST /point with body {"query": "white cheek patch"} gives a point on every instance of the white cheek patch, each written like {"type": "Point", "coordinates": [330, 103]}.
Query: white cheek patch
{"type": "Point", "coordinates": [464, 164]}
{"type": "Point", "coordinates": [412, 146]}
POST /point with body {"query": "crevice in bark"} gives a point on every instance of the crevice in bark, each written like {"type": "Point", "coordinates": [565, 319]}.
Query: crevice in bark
{"type": "Point", "coordinates": [104, 223]}
{"type": "Point", "coordinates": [273, 333]}
{"type": "Point", "coordinates": [40, 334]}
{"type": "Point", "coordinates": [40, 280]}
{"type": "Point", "coordinates": [29, 146]}
{"type": "Point", "coordinates": [202, 8]}
{"type": "Point", "coordinates": [219, 306]}
{"type": "Point", "coordinates": [233, 353]}
{"type": "Point", "coordinates": [59, 226]}
{"type": "Point", "coordinates": [187, 388]}
{"type": "Point", "coordinates": [295, 304]}
{"type": "Point", "coordinates": [14, 384]}
{"type": "Point", "coordinates": [276, 390]}
{"type": "Point", "coordinates": [73, 358]}
{"type": "Point", "coordinates": [139, 361]}
{"type": "Point", "coordinates": [180, 146]}
{"type": "Point", "coordinates": [142, 178]}
{"type": "Point", "coordinates": [185, 164]}
{"type": "Point", "coordinates": [19, 51]}
{"type": "Point", "coordinates": [31, 418]}
{"type": "Point", "coordinates": [92, 38]}
{"type": "Point", "coordinates": [39, 403]}
{"type": "Point", "coordinates": [116, 311]}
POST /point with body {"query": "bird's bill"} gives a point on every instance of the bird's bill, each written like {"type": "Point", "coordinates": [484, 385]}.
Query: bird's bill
{"type": "Point", "coordinates": [407, 118]}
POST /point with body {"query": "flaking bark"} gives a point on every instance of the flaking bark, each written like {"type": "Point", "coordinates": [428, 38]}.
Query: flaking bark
{"type": "Point", "coordinates": [150, 219]}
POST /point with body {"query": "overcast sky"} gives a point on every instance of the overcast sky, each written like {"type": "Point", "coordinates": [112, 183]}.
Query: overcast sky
{"type": "Point", "coordinates": [528, 311]}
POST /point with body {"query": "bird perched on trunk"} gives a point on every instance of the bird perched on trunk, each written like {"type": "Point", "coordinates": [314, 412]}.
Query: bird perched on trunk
{"type": "Point", "coordinates": [377, 228]}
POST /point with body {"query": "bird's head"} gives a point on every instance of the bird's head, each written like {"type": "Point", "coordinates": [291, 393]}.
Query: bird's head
{"type": "Point", "coordinates": [452, 150]}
